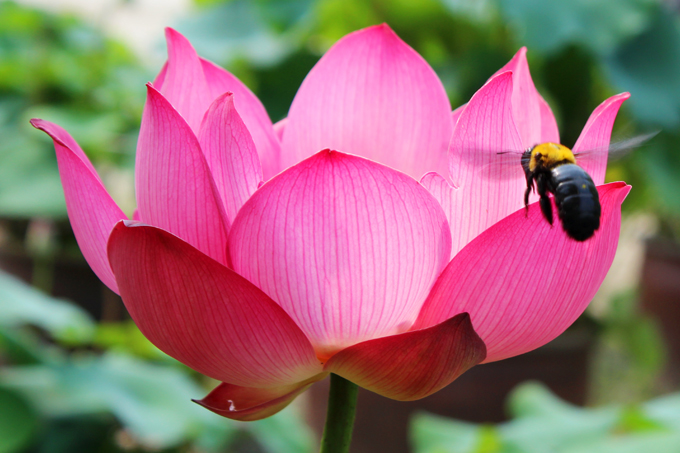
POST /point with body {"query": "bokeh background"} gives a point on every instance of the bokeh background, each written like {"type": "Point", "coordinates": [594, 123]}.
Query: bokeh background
{"type": "Point", "coordinates": [77, 376]}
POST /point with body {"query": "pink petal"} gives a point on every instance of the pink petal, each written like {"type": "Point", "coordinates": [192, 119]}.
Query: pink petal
{"type": "Point", "coordinates": [160, 78]}
{"type": "Point", "coordinates": [596, 135]}
{"type": "Point", "coordinates": [248, 404]}
{"type": "Point", "coordinates": [91, 210]}
{"type": "Point", "coordinates": [533, 117]}
{"type": "Point", "coordinates": [348, 247]}
{"type": "Point", "coordinates": [64, 139]}
{"type": "Point", "coordinates": [456, 114]}
{"type": "Point", "coordinates": [414, 364]}
{"type": "Point", "coordinates": [183, 82]}
{"type": "Point", "coordinates": [487, 191]}
{"type": "Point", "coordinates": [175, 190]}
{"type": "Point", "coordinates": [522, 281]}
{"type": "Point", "coordinates": [212, 81]}
{"type": "Point", "coordinates": [205, 315]}
{"type": "Point", "coordinates": [230, 153]}
{"type": "Point", "coordinates": [253, 114]}
{"type": "Point", "coordinates": [280, 127]}
{"type": "Point", "coordinates": [374, 96]}
{"type": "Point", "coordinates": [442, 191]}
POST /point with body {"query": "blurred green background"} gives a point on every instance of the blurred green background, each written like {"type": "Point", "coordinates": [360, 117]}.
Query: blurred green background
{"type": "Point", "coordinates": [77, 376]}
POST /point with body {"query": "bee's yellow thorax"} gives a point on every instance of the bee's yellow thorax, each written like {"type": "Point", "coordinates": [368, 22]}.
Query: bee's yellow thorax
{"type": "Point", "coordinates": [547, 155]}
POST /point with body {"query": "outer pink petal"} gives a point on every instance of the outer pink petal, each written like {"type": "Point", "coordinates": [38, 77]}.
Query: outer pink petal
{"type": "Point", "coordinates": [372, 95]}
{"type": "Point", "coordinates": [487, 191]}
{"type": "Point", "coordinates": [59, 134]}
{"type": "Point", "coordinates": [205, 315]}
{"type": "Point", "coordinates": [533, 117]}
{"type": "Point", "coordinates": [174, 187]}
{"type": "Point", "coordinates": [596, 135]}
{"type": "Point", "coordinates": [522, 281]}
{"type": "Point", "coordinates": [91, 210]}
{"type": "Point", "coordinates": [442, 191]}
{"type": "Point", "coordinates": [183, 81]}
{"type": "Point", "coordinates": [252, 112]}
{"type": "Point", "coordinates": [248, 404]}
{"type": "Point", "coordinates": [412, 365]}
{"type": "Point", "coordinates": [230, 153]}
{"type": "Point", "coordinates": [348, 247]}
{"type": "Point", "coordinates": [280, 127]}
{"type": "Point", "coordinates": [456, 114]}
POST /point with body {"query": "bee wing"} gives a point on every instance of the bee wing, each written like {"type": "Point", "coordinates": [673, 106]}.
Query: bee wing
{"type": "Point", "coordinates": [499, 165]}
{"type": "Point", "coordinates": [619, 148]}
{"type": "Point", "coordinates": [591, 160]}
{"type": "Point", "coordinates": [622, 148]}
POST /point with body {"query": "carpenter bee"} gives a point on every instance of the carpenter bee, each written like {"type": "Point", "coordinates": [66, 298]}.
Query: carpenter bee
{"type": "Point", "coordinates": [551, 168]}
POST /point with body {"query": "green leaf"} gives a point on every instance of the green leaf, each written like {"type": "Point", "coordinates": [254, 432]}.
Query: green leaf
{"type": "Point", "coordinates": [599, 25]}
{"type": "Point", "coordinates": [21, 304]}
{"type": "Point", "coordinates": [126, 337]}
{"type": "Point", "coordinates": [648, 67]}
{"type": "Point", "coordinates": [633, 419]}
{"type": "Point", "coordinates": [237, 29]}
{"type": "Point", "coordinates": [543, 422]}
{"type": "Point", "coordinates": [434, 434]}
{"type": "Point", "coordinates": [482, 11]}
{"type": "Point", "coordinates": [285, 432]}
{"type": "Point", "coordinates": [638, 443]}
{"type": "Point", "coordinates": [153, 402]}
{"type": "Point", "coordinates": [29, 179]}
{"type": "Point", "coordinates": [18, 421]}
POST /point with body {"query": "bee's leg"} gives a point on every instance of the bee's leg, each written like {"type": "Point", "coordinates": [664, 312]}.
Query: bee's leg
{"type": "Point", "coordinates": [546, 206]}
{"type": "Point", "coordinates": [530, 185]}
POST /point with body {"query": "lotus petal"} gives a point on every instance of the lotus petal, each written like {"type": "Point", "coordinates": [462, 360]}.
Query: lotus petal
{"type": "Point", "coordinates": [91, 210]}
{"type": "Point", "coordinates": [533, 117]}
{"type": "Point", "coordinates": [524, 282]}
{"type": "Point", "coordinates": [230, 153]}
{"type": "Point", "coordinates": [205, 315]}
{"type": "Point", "coordinates": [596, 135]}
{"type": "Point", "coordinates": [486, 191]}
{"type": "Point", "coordinates": [374, 96]}
{"type": "Point", "coordinates": [174, 187]}
{"type": "Point", "coordinates": [414, 364]}
{"type": "Point", "coordinates": [248, 403]}
{"type": "Point", "coordinates": [348, 247]}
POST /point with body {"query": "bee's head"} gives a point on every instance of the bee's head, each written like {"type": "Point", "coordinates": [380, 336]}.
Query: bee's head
{"type": "Point", "coordinates": [547, 155]}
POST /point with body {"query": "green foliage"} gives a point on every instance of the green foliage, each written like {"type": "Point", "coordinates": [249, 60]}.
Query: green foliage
{"type": "Point", "coordinates": [541, 422]}
{"type": "Point", "coordinates": [21, 304]}
{"type": "Point", "coordinates": [18, 421]}
{"type": "Point", "coordinates": [59, 68]}
{"type": "Point", "coordinates": [598, 25]}
{"type": "Point", "coordinates": [61, 400]}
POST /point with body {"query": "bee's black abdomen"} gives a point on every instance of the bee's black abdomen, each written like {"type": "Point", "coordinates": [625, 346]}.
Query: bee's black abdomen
{"type": "Point", "coordinates": [577, 200]}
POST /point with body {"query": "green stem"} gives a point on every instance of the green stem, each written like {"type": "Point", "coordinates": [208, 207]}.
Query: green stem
{"type": "Point", "coordinates": [342, 405]}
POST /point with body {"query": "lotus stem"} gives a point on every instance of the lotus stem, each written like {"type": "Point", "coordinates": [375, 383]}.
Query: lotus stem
{"type": "Point", "coordinates": [342, 405]}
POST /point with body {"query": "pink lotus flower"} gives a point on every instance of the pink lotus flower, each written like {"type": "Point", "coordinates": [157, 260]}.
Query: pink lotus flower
{"type": "Point", "coordinates": [339, 262]}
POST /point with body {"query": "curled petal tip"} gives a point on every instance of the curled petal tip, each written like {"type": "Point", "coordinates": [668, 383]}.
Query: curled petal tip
{"type": "Point", "coordinates": [131, 223]}
{"type": "Point", "coordinates": [249, 404]}
{"type": "Point", "coordinates": [625, 190]}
